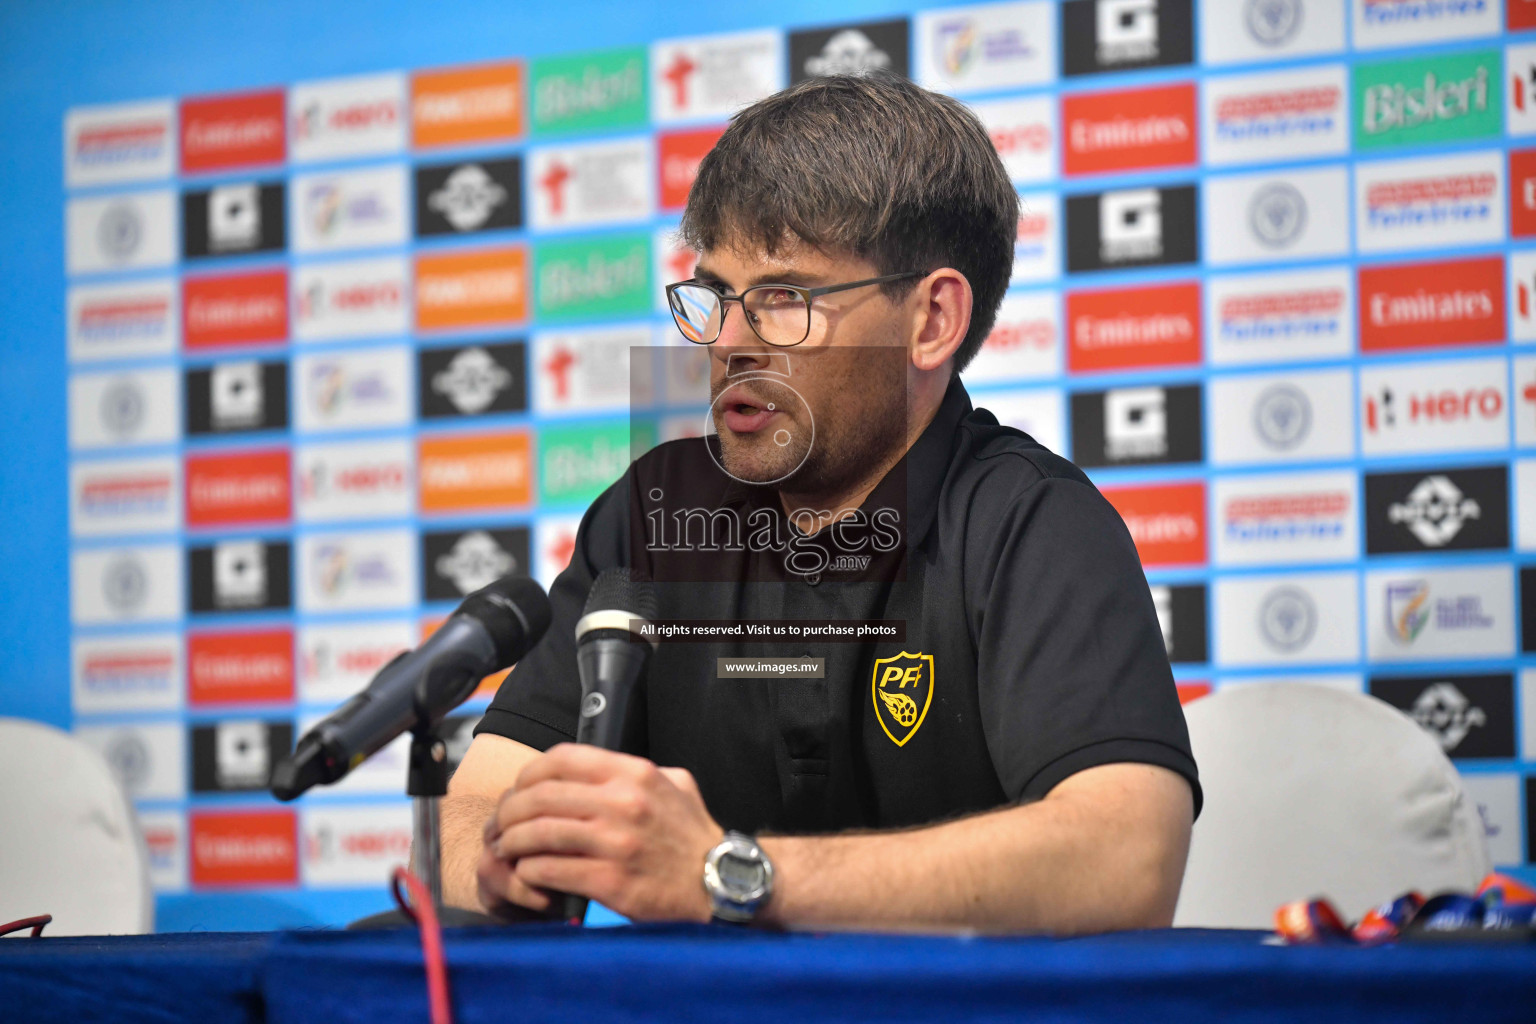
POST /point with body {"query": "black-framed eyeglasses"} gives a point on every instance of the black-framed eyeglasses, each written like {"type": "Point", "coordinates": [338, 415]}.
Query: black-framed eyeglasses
{"type": "Point", "coordinates": [780, 314]}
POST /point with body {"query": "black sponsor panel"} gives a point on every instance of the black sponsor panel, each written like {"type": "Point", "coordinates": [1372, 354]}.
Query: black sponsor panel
{"type": "Point", "coordinates": [231, 398]}
{"type": "Point", "coordinates": [237, 756]}
{"type": "Point", "coordinates": [468, 196]}
{"type": "Point", "coordinates": [1437, 510]}
{"type": "Point", "coordinates": [239, 576]}
{"type": "Point", "coordinates": [455, 563]}
{"type": "Point", "coordinates": [1469, 716]}
{"type": "Point", "coordinates": [1137, 426]}
{"type": "Point", "coordinates": [1181, 614]}
{"type": "Point", "coordinates": [850, 49]}
{"type": "Point", "coordinates": [1119, 35]}
{"type": "Point", "coordinates": [1528, 609]}
{"type": "Point", "coordinates": [472, 380]}
{"type": "Point", "coordinates": [1132, 227]}
{"type": "Point", "coordinates": [233, 220]}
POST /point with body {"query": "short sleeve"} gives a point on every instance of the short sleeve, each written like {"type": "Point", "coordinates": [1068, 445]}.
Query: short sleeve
{"type": "Point", "coordinates": [1071, 666]}
{"type": "Point", "coordinates": [537, 703]}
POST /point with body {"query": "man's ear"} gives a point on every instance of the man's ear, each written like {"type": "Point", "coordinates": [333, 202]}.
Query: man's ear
{"type": "Point", "coordinates": [943, 300]}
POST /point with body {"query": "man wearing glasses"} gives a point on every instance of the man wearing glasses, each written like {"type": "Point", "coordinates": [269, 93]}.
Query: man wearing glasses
{"type": "Point", "coordinates": [1001, 748]}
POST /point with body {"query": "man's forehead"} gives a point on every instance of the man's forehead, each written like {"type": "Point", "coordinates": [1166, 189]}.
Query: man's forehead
{"type": "Point", "coordinates": [746, 260]}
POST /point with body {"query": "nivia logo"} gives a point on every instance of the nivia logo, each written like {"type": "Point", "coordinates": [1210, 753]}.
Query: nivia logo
{"type": "Point", "coordinates": [1117, 35]}
{"type": "Point", "coordinates": [1287, 619]}
{"type": "Point", "coordinates": [1469, 716]}
{"type": "Point", "coordinates": [1131, 228]}
{"type": "Point", "coordinates": [1450, 509]}
{"type": "Point", "coordinates": [474, 380]}
{"type": "Point", "coordinates": [1277, 215]}
{"type": "Point", "coordinates": [459, 562]}
{"type": "Point", "coordinates": [459, 198]}
{"type": "Point", "coordinates": [1273, 23]}
{"type": "Point", "coordinates": [233, 219]}
{"type": "Point", "coordinates": [1282, 416]}
{"type": "Point", "coordinates": [1137, 426]}
{"type": "Point", "coordinates": [850, 49]}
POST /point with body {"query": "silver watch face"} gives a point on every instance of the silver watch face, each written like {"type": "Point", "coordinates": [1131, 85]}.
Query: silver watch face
{"type": "Point", "coordinates": [742, 877]}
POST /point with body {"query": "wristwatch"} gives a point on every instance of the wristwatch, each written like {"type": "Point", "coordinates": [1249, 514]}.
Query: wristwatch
{"type": "Point", "coordinates": [738, 876]}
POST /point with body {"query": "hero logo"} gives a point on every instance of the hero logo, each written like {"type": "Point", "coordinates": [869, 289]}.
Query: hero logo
{"type": "Point", "coordinates": [472, 380]}
{"type": "Point", "coordinates": [474, 561]}
{"type": "Point", "coordinates": [1023, 131]}
{"type": "Point", "coordinates": [353, 846]}
{"type": "Point", "coordinates": [468, 198]}
{"type": "Point", "coordinates": [350, 300]}
{"type": "Point", "coordinates": [1386, 409]}
{"type": "Point", "coordinates": [1434, 511]}
{"type": "Point", "coordinates": [1130, 225]}
{"type": "Point", "coordinates": [1445, 713]}
{"type": "Point", "coordinates": [347, 116]}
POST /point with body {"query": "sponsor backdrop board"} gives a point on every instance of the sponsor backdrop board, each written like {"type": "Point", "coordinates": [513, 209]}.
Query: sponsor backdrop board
{"type": "Point", "coordinates": [328, 339]}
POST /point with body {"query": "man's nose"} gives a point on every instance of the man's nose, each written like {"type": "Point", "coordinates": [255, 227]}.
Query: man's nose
{"type": "Point", "coordinates": [738, 346]}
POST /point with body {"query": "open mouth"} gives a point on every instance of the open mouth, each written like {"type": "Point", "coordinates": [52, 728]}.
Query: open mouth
{"type": "Point", "coordinates": [745, 413]}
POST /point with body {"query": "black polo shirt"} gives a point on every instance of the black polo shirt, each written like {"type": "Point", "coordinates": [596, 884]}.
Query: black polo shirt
{"type": "Point", "coordinates": [1031, 649]}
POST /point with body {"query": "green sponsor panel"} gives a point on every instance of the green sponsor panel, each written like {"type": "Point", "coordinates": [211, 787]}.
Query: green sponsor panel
{"type": "Point", "coordinates": [577, 463]}
{"type": "Point", "coordinates": [1432, 99]}
{"type": "Point", "coordinates": [592, 277]}
{"type": "Point", "coordinates": [590, 91]}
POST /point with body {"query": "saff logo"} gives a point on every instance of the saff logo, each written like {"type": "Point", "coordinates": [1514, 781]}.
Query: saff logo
{"type": "Point", "coordinates": [902, 688]}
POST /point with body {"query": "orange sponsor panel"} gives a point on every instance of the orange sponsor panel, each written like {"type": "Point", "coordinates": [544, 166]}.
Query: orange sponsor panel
{"type": "Point", "coordinates": [488, 685]}
{"type": "Point", "coordinates": [240, 668]}
{"type": "Point", "coordinates": [1130, 328]}
{"type": "Point", "coordinates": [478, 472]}
{"type": "Point", "coordinates": [470, 289]}
{"type": "Point", "coordinates": [1193, 691]}
{"type": "Point", "coordinates": [244, 848]}
{"type": "Point", "coordinates": [458, 106]}
{"type": "Point", "coordinates": [1167, 521]}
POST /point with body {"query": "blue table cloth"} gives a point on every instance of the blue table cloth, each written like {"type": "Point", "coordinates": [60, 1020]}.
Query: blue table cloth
{"type": "Point", "coordinates": [685, 973]}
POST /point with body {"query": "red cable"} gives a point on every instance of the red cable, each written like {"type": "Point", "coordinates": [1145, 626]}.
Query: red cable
{"type": "Point", "coordinates": [35, 923]}
{"type": "Point", "coordinates": [420, 909]}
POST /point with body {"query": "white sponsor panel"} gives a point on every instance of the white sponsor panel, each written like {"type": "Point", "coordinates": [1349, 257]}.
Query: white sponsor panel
{"type": "Point", "coordinates": [1522, 296]}
{"type": "Point", "coordinates": [1520, 73]}
{"type": "Point", "coordinates": [1497, 796]}
{"type": "Point", "coordinates": [1284, 317]}
{"type": "Point", "coordinates": [1448, 200]}
{"type": "Point", "coordinates": [133, 407]}
{"type": "Point", "coordinates": [357, 570]}
{"type": "Point", "coordinates": [1037, 246]}
{"type": "Point", "coordinates": [355, 299]}
{"type": "Point", "coordinates": [1233, 32]}
{"type": "Point", "coordinates": [1525, 504]}
{"type": "Point", "coordinates": [1276, 116]}
{"type": "Point", "coordinates": [1038, 412]}
{"type": "Point", "coordinates": [1260, 218]}
{"type": "Point", "coordinates": [125, 496]}
{"type": "Point", "coordinates": [1350, 682]}
{"type": "Point", "coordinates": [123, 320]}
{"type": "Point", "coordinates": [165, 842]}
{"type": "Point", "coordinates": [362, 115]}
{"type": "Point", "coordinates": [1458, 405]}
{"type": "Point", "coordinates": [130, 231]}
{"type": "Point", "coordinates": [1280, 518]}
{"type": "Point", "coordinates": [142, 672]}
{"type": "Point", "coordinates": [1303, 416]}
{"type": "Point", "coordinates": [672, 261]}
{"type": "Point", "coordinates": [149, 759]}
{"type": "Point", "coordinates": [349, 209]}
{"type": "Point", "coordinates": [119, 142]}
{"type": "Point", "coordinates": [1025, 342]}
{"type": "Point", "coordinates": [709, 78]}
{"type": "Point", "coordinates": [120, 585]}
{"type": "Point", "coordinates": [987, 46]}
{"type": "Point", "coordinates": [353, 390]}
{"type": "Point", "coordinates": [1025, 132]}
{"type": "Point", "coordinates": [1291, 618]}
{"type": "Point", "coordinates": [1528, 711]}
{"type": "Point", "coordinates": [1525, 401]}
{"type": "Point", "coordinates": [586, 370]}
{"type": "Point", "coordinates": [337, 661]}
{"type": "Point", "coordinates": [555, 541]}
{"type": "Point", "coordinates": [608, 182]}
{"type": "Point", "coordinates": [1436, 614]}
{"type": "Point", "coordinates": [355, 480]}
{"type": "Point", "coordinates": [1382, 23]}
{"type": "Point", "coordinates": [353, 847]}
{"type": "Point", "coordinates": [383, 772]}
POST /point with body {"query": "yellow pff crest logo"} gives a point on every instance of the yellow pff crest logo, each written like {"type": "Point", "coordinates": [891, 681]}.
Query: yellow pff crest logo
{"type": "Point", "coordinates": [902, 689]}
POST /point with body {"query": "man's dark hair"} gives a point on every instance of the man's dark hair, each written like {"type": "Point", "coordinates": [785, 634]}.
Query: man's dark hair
{"type": "Point", "coordinates": [871, 165]}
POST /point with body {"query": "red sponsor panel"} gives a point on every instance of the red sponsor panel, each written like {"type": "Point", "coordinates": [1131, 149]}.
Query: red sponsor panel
{"type": "Point", "coordinates": [226, 489]}
{"type": "Point", "coordinates": [1419, 305]}
{"type": "Point", "coordinates": [1522, 193]}
{"type": "Point", "coordinates": [232, 131]}
{"type": "Point", "coordinates": [1130, 130]}
{"type": "Point", "coordinates": [1520, 14]}
{"type": "Point", "coordinates": [1167, 521]}
{"type": "Point", "coordinates": [678, 155]}
{"type": "Point", "coordinates": [1133, 327]}
{"type": "Point", "coordinates": [244, 848]}
{"type": "Point", "coordinates": [1193, 691]}
{"type": "Point", "coordinates": [235, 309]}
{"type": "Point", "coordinates": [240, 668]}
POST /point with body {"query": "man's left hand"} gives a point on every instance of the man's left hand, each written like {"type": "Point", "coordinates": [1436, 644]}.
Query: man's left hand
{"type": "Point", "coordinates": [608, 826]}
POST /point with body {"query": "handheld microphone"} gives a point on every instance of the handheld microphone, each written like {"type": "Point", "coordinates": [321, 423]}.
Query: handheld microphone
{"type": "Point", "coordinates": [494, 627]}
{"type": "Point", "coordinates": [611, 655]}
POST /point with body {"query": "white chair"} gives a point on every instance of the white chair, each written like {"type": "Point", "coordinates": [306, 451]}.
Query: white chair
{"type": "Point", "coordinates": [69, 844]}
{"type": "Point", "coordinates": [1313, 791]}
